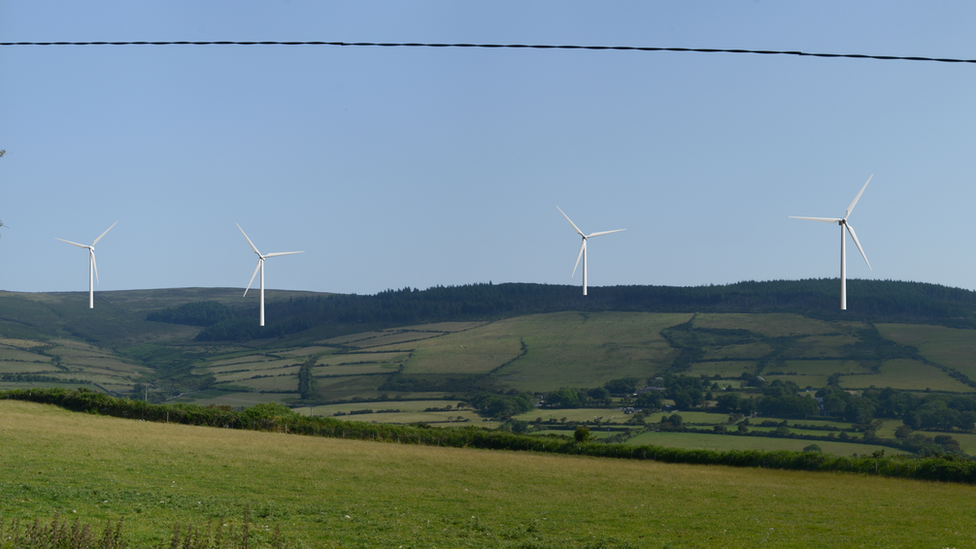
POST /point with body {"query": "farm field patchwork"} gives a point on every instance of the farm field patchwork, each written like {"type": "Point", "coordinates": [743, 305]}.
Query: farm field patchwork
{"type": "Point", "coordinates": [725, 369]}
{"type": "Point", "coordinates": [906, 374]}
{"type": "Point", "coordinates": [343, 493]}
{"type": "Point", "coordinates": [949, 347]}
{"type": "Point", "coordinates": [587, 350]}
{"type": "Point", "coordinates": [67, 359]}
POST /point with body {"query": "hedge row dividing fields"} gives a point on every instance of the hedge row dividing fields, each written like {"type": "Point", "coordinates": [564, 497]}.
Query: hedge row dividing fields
{"type": "Point", "coordinates": [281, 419]}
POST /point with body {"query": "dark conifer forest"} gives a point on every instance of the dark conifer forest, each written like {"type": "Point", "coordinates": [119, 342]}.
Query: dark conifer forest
{"type": "Point", "coordinates": [873, 300]}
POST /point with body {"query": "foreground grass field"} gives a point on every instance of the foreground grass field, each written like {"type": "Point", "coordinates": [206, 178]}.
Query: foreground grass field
{"type": "Point", "coordinates": [340, 493]}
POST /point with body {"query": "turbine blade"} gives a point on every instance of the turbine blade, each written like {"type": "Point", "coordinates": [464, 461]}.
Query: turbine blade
{"type": "Point", "coordinates": [275, 254]}
{"type": "Point", "coordinates": [103, 234]}
{"type": "Point", "coordinates": [570, 221]}
{"type": "Point", "coordinates": [249, 242]}
{"type": "Point", "coordinates": [822, 219]}
{"type": "Point", "coordinates": [604, 232]}
{"type": "Point", "coordinates": [859, 248]}
{"type": "Point", "coordinates": [91, 253]}
{"type": "Point", "coordinates": [851, 207]}
{"type": "Point", "coordinates": [578, 256]}
{"type": "Point", "coordinates": [70, 242]}
{"type": "Point", "coordinates": [253, 275]}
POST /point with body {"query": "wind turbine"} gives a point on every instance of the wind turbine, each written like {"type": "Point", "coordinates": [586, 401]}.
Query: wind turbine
{"type": "Point", "coordinates": [843, 242]}
{"type": "Point", "coordinates": [92, 269]}
{"type": "Point", "coordinates": [260, 266]}
{"type": "Point", "coordinates": [582, 252]}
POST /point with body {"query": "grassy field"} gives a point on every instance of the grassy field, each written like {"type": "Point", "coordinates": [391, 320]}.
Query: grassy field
{"type": "Point", "coordinates": [587, 350]}
{"type": "Point", "coordinates": [67, 359]}
{"type": "Point", "coordinates": [235, 399]}
{"type": "Point", "coordinates": [113, 346]}
{"type": "Point", "coordinates": [735, 442]}
{"type": "Point", "coordinates": [773, 324]}
{"type": "Point", "coordinates": [341, 493]}
{"type": "Point", "coordinates": [907, 375]}
{"type": "Point", "coordinates": [946, 346]}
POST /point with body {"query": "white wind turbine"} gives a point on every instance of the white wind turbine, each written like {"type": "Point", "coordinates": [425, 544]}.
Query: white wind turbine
{"type": "Point", "coordinates": [843, 242]}
{"type": "Point", "coordinates": [582, 252]}
{"type": "Point", "coordinates": [260, 266]}
{"type": "Point", "coordinates": [92, 269]}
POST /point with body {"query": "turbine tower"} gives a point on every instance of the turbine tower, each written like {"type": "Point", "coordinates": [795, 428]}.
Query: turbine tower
{"type": "Point", "coordinates": [582, 252]}
{"type": "Point", "coordinates": [92, 269]}
{"type": "Point", "coordinates": [843, 242]}
{"type": "Point", "coordinates": [260, 266]}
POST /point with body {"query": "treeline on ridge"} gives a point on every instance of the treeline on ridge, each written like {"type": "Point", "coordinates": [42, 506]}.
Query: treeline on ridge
{"type": "Point", "coordinates": [884, 301]}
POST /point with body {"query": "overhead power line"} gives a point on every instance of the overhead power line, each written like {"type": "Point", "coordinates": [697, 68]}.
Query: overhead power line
{"type": "Point", "coordinates": [508, 46]}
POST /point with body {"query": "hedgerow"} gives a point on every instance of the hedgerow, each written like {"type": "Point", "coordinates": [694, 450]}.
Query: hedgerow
{"type": "Point", "coordinates": [274, 417]}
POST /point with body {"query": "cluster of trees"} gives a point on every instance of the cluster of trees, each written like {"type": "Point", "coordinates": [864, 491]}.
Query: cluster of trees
{"type": "Point", "coordinates": [197, 313]}
{"type": "Point", "coordinates": [879, 300]}
{"type": "Point", "coordinates": [937, 412]}
{"type": "Point", "coordinates": [601, 396]}
{"type": "Point", "coordinates": [932, 412]}
{"type": "Point", "coordinates": [502, 405]}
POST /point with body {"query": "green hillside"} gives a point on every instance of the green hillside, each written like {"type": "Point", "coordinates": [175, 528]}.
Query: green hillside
{"type": "Point", "coordinates": [320, 492]}
{"type": "Point", "coordinates": [527, 344]}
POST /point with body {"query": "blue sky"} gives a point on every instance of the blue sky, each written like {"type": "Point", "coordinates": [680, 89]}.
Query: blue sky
{"type": "Point", "coordinates": [421, 167]}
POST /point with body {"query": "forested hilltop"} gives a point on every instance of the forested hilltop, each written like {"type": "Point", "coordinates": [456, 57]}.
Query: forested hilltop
{"type": "Point", "coordinates": [877, 301]}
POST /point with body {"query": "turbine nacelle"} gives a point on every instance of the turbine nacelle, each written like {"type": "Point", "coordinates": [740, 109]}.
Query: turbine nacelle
{"type": "Point", "coordinates": [92, 266]}
{"type": "Point", "coordinates": [260, 267]}
{"type": "Point", "coordinates": [844, 225]}
{"type": "Point", "coordinates": [582, 250]}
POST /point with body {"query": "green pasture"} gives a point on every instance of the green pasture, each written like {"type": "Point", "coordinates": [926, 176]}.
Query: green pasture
{"type": "Point", "coordinates": [240, 361]}
{"type": "Point", "coordinates": [821, 367]}
{"type": "Point", "coordinates": [479, 350]}
{"type": "Point", "coordinates": [266, 365]}
{"type": "Point", "coordinates": [707, 418]}
{"type": "Point", "coordinates": [307, 351]}
{"type": "Point", "coordinates": [367, 340]}
{"type": "Point", "coordinates": [578, 415]}
{"type": "Point", "coordinates": [5, 385]}
{"type": "Point", "coordinates": [234, 399]}
{"type": "Point", "coordinates": [19, 355]}
{"type": "Point", "coordinates": [725, 369]}
{"type": "Point", "coordinates": [773, 324]}
{"type": "Point", "coordinates": [403, 405]}
{"type": "Point", "coordinates": [340, 359]}
{"type": "Point", "coordinates": [361, 387]}
{"type": "Point", "coordinates": [402, 334]}
{"type": "Point", "coordinates": [356, 369]}
{"type": "Point", "coordinates": [907, 374]}
{"type": "Point", "coordinates": [351, 338]}
{"type": "Point", "coordinates": [228, 377]}
{"type": "Point", "coordinates": [444, 326]}
{"type": "Point", "coordinates": [587, 350]}
{"type": "Point", "coordinates": [19, 367]}
{"type": "Point", "coordinates": [802, 381]}
{"type": "Point", "coordinates": [820, 346]}
{"type": "Point", "coordinates": [395, 338]}
{"type": "Point", "coordinates": [817, 422]}
{"type": "Point", "coordinates": [441, 419]}
{"type": "Point", "coordinates": [949, 347]}
{"type": "Point", "coordinates": [15, 343]}
{"type": "Point", "coordinates": [745, 351]}
{"type": "Point", "coordinates": [77, 361]}
{"type": "Point", "coordinates": [706, 441]}
{"type": "Point", "coordinates": [343, 493]}
{"type": "Point", "coordinates": [275, 383]}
